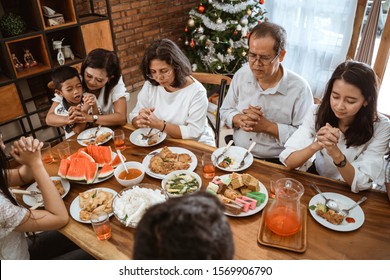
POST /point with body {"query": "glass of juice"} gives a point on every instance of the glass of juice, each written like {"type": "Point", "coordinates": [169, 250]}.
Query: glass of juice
{"type": "Point", "coordinates": [208, 166]}
{"type": "Point", "coordinates": [101, 225]}
{"type": "Point", "coordinates": [119, 139]}
{"type": "Point", "coordinates": [63, 150]}
{"type": "Point", "coordinates": [46, 154]}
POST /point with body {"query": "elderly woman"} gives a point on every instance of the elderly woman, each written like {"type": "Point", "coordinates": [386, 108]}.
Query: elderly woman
{"type": "Point", "coordinates": [171, 100]}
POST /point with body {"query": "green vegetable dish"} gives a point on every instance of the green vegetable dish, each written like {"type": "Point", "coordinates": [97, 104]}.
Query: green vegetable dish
{"type": "Point", "coordinates": [181, 184]}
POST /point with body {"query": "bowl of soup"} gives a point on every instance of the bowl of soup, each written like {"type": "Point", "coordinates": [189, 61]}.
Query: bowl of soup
{"type": "Point", "coordinates": [134, 176]}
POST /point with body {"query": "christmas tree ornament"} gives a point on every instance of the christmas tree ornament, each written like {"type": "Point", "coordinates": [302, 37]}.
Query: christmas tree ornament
{"type": "Point", "coordinates": [244, 21]}
{"type": "Point", "coordinates": [235, 32]}
{"type": "Point", "coordinates": [200, 30]}
{"type": "Point", "coordinates": [186, 43]}
{"type": "Point", "coordinates": [238, 27]}
{"type": "Point", "coordinates": [243, 53]}
{"type": "Point", "coordinates": [192, 44]}
{"type": "Point", "coordinates": [229, 50]}
{"type": "Point", "coordinates": [201, 9]}
{"type": "Point", "coordinates": [210, 1]}
{"type": "Point", "coordinates": [186, 29]}
{"type": "Point", "coordinates": [248, 12]}
{"type": "Point", "coordinates": [191, 22]}
{"type": "Point", "coordinates": [219, 20]}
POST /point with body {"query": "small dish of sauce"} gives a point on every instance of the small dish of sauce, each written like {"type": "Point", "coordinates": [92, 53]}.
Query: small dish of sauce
{"type": "Point", "coordinates": [133, 173]}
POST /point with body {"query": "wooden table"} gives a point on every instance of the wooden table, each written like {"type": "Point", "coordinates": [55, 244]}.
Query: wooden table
{"type": "Point", "coordinates": [371, 241]}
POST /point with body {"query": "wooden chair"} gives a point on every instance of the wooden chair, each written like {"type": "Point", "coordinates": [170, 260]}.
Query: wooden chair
{"type": "Point", "coordinates": [223, 82]}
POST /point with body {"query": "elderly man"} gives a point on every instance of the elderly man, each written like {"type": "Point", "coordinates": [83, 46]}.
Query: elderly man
{"type": "Point", "coordinates": [265, 102]}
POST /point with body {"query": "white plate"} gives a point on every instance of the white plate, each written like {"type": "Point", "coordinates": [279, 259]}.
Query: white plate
{"type": "Point", "coordinates": [74, 208]}
{"type": "Point", "coordinates": [236, 153]}
{"type": "Point", "coordinates": [344, 203]}
{"type": "Point", "coordinates": [91, 132]}
{"type": "Point", "coordinates": [136, 137]}
{"type": "Point", "coordinates": [97, 180]}
{"type": "Point", "coordinates": [31, 201]}
{"type": "Point", "coordinates": [175, 150]}
{"type": "Point", "coordinates": [250, 211]}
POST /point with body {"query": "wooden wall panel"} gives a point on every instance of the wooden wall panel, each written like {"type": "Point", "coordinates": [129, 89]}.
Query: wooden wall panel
{"type": "Point", "coordinates": [10, 105]}
{"type": "Point", "coordinates": [97, 35]}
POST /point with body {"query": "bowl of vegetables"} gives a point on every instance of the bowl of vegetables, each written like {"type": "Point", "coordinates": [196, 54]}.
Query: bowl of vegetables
{"type": "Point", "coordinates": [181, 182]}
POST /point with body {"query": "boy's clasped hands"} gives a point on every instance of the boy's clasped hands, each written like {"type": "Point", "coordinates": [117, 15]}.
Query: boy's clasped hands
{"type": "Point", "coordinates": [78, 113]}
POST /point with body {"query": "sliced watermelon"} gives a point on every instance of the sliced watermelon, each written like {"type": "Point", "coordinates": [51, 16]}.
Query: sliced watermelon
{"type": "Point", "coordinates": [76, 170]}
{"type": "Point", "coordinates": [82, 154]}
{"type": "Point", "coordinates": [106, 171]}
{"type": "Point", "coordinates": [105, 153]}
{"type": "Point", "coordinates": [91, 170]}
{"type": "Point", "coordinates": [116, 161]}
{"type": "Point", "coordinates": [64, 166]}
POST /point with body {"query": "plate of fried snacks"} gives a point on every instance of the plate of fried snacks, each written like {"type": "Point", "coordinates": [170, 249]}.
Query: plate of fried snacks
{"type": "Point", "coordinates": [85, 137]}
{"type": "Point", "coordinates": [61, 185]}
{"type": "Point", "coordinates": [332, 220]}
{"type": "Point", "coordinates": [147, 137]}
{"type": "Point", "coordinates": [92, 201]}
{"type": "Point", "coordinates": [241, 194]}
{"type": "Point", "coordinates": [165, 160]}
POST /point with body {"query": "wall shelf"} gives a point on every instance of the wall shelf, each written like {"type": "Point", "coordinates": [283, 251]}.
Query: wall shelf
{"type": "Point", "coordinates": [23, 90]}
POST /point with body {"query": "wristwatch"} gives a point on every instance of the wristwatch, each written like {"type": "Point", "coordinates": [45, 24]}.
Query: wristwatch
{"type": "Point", "coordinates": [342, 163]}
{"type": "Point", "coordinates": [95, 118]}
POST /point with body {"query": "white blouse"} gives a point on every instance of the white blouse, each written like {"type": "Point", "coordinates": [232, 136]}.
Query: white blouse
{"type": "Point", "coordinates": [367, 159]}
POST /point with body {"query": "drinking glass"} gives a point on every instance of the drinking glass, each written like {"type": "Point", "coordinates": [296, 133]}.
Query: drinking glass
{"type": "Point", "coordinates": [272, 182]}
{"type": "Point", "coordinates": [47, 156]}
{"type": "Point", "coordinates": [208, 166]}
{"type": "Point", "coordinates": [101, 225]}
{"type": "Point", "coordinates": [119, 139]}
{"type": "Point", "coordinates": [63, 150]}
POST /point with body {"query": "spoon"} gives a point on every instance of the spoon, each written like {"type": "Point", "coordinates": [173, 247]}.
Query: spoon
{"type": "Point", "coordinates": [345, 212]}
{"type": "Point", "coordinates": [330, 203]}
{"type": "Point", "coordinates": [121, 158]}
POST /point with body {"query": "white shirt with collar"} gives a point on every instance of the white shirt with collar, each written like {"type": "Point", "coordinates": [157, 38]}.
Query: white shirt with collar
{"type": "Point", "coordinates": [285, 104]}
{"type": "Point", "coordinates": [367, 159]}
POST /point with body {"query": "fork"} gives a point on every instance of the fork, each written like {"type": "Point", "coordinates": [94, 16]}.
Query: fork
{"type": "Point", "coordinates": [144, 154]}
{"type": "Point", "coordinates": [246, 154]}
{"type": "Point", "coordinates": [146, 137]}
{"type": "Point", "coordinates": [345, 212]}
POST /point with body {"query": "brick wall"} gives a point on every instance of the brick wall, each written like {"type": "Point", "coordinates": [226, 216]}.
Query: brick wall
{"type": "Point", "coordinates": [136, 23]}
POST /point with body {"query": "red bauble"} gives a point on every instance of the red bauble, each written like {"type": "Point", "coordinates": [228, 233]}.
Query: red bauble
{"type": "Point", "coordinates": [261, 2]}
{"type": "Point", "coordinates": [192, 43]}
{"type": "Point", "coordinates": [235, 32]}
{"type": "Point", "coordinates": [201, 9]}
{"type": "Point", "coordinates": [186, 29]}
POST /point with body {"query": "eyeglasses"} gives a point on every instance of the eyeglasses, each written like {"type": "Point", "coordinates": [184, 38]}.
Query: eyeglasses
{"type": "Point", "coordinates": [262, 59]}
{"type": "Point", "coordinates": [164, 73]}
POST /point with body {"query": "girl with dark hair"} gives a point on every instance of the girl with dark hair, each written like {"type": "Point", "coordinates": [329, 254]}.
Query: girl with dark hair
{"type": "Point", "coordinates": [101, 78]}
{"type": "Point", "coordinates": [344, 136]}
{"type": "Point", "coordinates": [16, 221]}
{"type": "Point", "coordinates": [171, 100]}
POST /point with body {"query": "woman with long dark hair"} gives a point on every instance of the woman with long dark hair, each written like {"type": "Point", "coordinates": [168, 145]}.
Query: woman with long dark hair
{"type": "Point", "coordinates": [345, 136]}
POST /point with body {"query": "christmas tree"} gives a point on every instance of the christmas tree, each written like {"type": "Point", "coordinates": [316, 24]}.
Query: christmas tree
{"type": "Point", "coordinates": [217, 34]}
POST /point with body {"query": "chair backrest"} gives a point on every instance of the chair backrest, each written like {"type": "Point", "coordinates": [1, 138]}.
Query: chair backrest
{"type": "Point", "coordinates": [222, 81]}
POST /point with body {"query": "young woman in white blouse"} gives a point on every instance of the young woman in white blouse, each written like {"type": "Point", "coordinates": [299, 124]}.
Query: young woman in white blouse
{"type": "Point", "coordinates": [171, 100]}
{"type": "Point", "coordinates": [344, 136]}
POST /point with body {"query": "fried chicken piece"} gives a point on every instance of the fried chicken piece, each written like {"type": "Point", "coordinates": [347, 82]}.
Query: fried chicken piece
{"type": "Point", "coordinates": [165, 151]}
{"type": "Point", "coordinates": [184, 158]}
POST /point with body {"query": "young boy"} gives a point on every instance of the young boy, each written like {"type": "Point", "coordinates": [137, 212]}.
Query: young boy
{"type": "Point", "coordinates": [72, 103]}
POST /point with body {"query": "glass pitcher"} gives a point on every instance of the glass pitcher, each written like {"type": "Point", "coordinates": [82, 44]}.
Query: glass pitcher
{"type": "Point", "coordinates": [284, 216]}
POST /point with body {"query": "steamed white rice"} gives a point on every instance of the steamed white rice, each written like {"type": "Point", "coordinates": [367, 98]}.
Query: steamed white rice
{"type": "Point", "coordinates": [132, 205]}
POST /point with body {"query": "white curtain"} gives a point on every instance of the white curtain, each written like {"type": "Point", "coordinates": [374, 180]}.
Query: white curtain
{"type": "Point", "coordinates": [318, 36]}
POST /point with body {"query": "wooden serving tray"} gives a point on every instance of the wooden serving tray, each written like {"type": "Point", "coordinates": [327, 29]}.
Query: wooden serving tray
{"type": "Point", "coordinates": [296, 242]}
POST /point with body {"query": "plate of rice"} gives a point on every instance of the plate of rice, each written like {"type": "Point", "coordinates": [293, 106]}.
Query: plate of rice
{"type": "Point", "coordinates": [130, 204]}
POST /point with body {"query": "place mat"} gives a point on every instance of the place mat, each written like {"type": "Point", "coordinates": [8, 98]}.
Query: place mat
{"type": "Point", "coordinates": [296, 242]}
